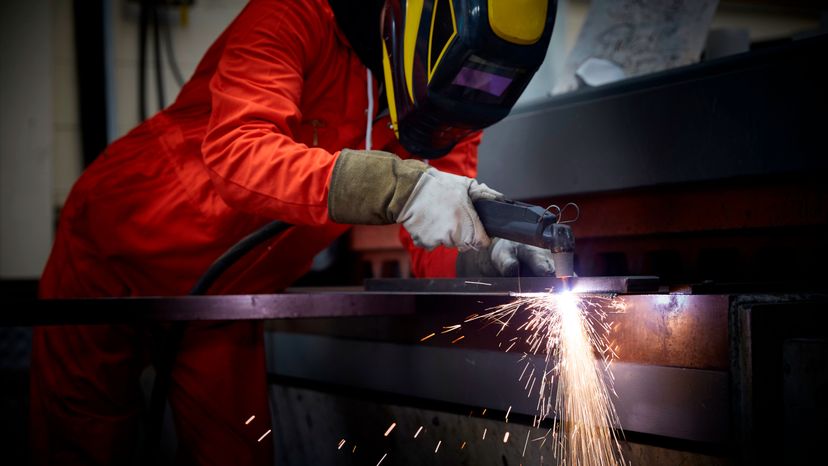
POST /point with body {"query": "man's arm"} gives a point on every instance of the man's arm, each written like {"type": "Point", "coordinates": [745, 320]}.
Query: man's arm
{"type": "Point", "coordinates": [250, 150]}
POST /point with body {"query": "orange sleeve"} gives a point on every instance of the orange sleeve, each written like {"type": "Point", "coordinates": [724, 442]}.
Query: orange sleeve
{"type": "Point", "coordinates": [250, 151]}
{"type": "Point", "coordinates": [440, 262]}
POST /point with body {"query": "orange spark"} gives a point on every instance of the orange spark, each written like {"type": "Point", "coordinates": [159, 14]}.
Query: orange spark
{"type": "Point", "coordinates": [470, 282]}
{"type": "Point", "coordinates": [450, 328]}
{"type": "Point", "coordinates": [567, 331]}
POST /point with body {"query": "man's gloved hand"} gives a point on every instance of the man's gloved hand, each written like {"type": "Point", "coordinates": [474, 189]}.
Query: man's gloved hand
{"type": "Point", "coordinates": [374, 188]}
{"type": "Point", "coordinates": [505, 258]}
{"type": "Point", "coordinates": [440, 211]}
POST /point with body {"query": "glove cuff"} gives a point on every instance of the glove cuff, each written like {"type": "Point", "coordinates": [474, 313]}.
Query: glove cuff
{"type": "Point", "coordinates": [371, 187]}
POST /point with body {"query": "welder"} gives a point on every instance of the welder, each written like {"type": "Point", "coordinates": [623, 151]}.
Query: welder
{"type": "Point", "coordinates": [317, 114]}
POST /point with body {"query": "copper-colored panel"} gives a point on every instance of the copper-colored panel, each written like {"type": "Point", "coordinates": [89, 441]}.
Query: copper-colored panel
{"type": "Point", "coordinates": [674, 330]}
{"type": "Point", "coordinates": [659, 329]}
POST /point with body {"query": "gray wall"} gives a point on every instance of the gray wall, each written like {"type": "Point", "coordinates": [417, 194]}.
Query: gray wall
{"type": "Point", "coordinates": [26, 142]}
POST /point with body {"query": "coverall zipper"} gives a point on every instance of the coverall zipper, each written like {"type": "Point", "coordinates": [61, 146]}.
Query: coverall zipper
{"type": "Point", "coordinates": [316, 125]}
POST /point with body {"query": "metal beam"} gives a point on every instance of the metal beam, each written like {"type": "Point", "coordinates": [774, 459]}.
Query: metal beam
{"type": "Point", "coordinates": [194, 308]}
{"type": "Point", "coordinates": [673, 402]}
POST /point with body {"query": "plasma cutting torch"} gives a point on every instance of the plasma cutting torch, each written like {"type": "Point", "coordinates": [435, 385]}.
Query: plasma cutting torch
{"type": "Point", "coordinates": [533, 225]}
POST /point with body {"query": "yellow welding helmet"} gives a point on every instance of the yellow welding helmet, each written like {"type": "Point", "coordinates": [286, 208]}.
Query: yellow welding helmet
{"type": "Point", "coordinates": [452, 67]}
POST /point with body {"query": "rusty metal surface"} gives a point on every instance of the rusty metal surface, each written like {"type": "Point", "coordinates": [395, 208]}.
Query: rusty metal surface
{"type": "Point", "coordinates": [640, 284]}
{"type": "Point", "coordinates": [702, 207]}
{"type": "Point", "coordinates": [687, 331]}
{"type": "Point", "coordinates": [672, 330]}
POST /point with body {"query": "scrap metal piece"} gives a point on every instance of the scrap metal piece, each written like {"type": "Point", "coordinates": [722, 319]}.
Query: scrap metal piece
{"type": "Point", "coordinates": [640, 284]}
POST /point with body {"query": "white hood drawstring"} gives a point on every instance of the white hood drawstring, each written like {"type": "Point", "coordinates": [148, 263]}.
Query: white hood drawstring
{"type": "Point", "coordinates": [369, 112]}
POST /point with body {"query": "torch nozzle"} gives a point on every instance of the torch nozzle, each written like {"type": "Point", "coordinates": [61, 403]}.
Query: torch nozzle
{"type": "Point", "coordinates": [564, 264]}
{"type": "Point", "coordinates": [561, 243]}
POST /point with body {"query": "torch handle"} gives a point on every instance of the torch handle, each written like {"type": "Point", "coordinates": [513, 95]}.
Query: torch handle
{"type": "Point", "coordinates": [516, 221]}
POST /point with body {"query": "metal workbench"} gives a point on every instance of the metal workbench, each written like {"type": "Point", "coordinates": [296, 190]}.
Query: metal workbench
{"type": "Point", "coordinates": [685, 367]}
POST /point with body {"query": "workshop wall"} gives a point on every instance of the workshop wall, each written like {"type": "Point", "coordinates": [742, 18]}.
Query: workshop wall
{"type": "Point", "coordinates": [67, 153]}
{"type": "Point", "coordinates": [26, 143]}
{"type": "Point", "coordinates": [192, 33]}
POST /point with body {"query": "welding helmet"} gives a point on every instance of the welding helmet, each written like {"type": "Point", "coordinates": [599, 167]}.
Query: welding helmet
{"type": "Point", "coordinates": [452, 67]}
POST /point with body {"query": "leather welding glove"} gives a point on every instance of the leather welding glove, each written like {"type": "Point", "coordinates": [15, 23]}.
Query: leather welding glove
{"type": "Point", "coordinates": [374, 187]}
{"type": "Point", "coordinates": [505, 258]}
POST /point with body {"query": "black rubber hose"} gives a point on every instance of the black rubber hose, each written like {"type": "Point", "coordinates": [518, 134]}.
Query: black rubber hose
{"type": "Point", "coordinates": [142, 59]}
{"type": "Point", "coordinates": [170, 49]}
{"type": "Point", "coordinates": [156, 45]}
{"type": "Point", "coordinates": [168, 342]}
{"type": "Point", "coordinates": [235, 253]}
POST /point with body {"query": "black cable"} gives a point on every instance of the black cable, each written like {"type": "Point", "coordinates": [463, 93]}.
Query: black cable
{"type": "Point", "coordinates": [156, 43]}
{"type": "Point", "coordinates": [142, 59]}
{"type": "Point", "coordinates": [235, 253]}
{"type": "Point", "coordinates": [170, 50]}
{"type": "Point", "coordinates": [169, 342]}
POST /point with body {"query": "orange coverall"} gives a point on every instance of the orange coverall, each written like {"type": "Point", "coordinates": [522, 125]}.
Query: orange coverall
{"type": "Point", "coordinates": [252, 137]}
